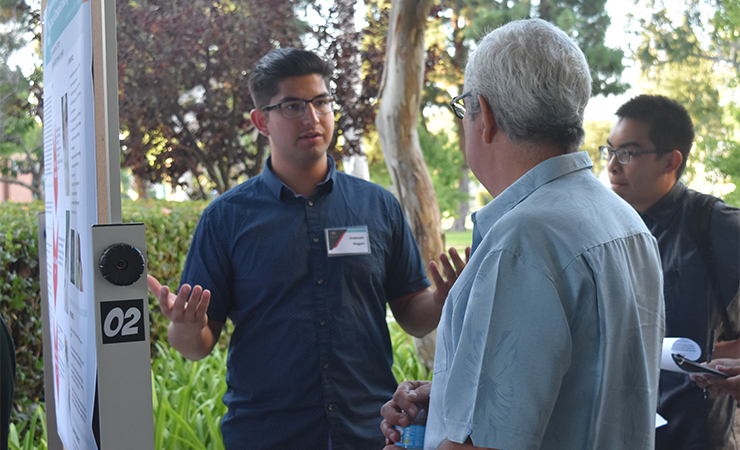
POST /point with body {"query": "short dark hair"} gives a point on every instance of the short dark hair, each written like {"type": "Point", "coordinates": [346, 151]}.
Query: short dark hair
{"type": "Point", "coordinates": [281, 63]}
{"type": "Point", "coordinates": [671, 127]}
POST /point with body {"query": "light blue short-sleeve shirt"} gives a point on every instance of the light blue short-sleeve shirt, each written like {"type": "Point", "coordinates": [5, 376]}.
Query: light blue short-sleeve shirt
{"type": "Point", "coordinates": [551, 337]}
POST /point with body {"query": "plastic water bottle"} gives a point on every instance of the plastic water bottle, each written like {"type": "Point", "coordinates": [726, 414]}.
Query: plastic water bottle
{"type": "Point", "coordinates": [412, 436]}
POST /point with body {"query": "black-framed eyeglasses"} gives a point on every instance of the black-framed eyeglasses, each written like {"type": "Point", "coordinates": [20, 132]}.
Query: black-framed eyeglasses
{"type": "Point", "coordinates": [296, 107]}
{"type": "Point", "coordinates": [457, 105]}
{"type": "Point", "coordinates": [624, 156]}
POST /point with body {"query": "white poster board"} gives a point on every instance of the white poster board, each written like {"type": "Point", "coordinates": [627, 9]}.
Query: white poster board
{"type": "Point", "coordinates": [71, 210]}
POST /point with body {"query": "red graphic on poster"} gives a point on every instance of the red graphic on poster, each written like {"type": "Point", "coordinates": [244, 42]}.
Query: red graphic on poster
{"type": "Point", "coordinates": [55, 229]}
{"type": "Point", "coordinates": [55, 264]}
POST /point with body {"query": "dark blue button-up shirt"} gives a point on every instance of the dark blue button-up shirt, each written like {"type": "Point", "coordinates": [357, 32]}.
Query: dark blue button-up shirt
{"type": "Point", "coordinates": [310, 355]}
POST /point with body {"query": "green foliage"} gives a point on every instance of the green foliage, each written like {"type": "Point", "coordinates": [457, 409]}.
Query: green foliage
{"type": "Point", "coordinates": [459, 240]}
{"type": "Point", "coordinates": [375, 160]}
{"type": "Point", "coordinates": [20, 132]}
{"type": "Point", "coordinates": [585, 21]}
{"type": "Point", "coordinates": [444, 161]}
{"type": "Point", "coordinates": [727, 163]}
{"type": "Point", "coordinates": [20, 304]}
{"type": "Point", "coordinates": [29, 433]}
{"type": "Point", "coordinates": [406, 362]}
{"type": "Point", "coordinates": [21, 147]}
{"type": "Point", "coordinates": [13, 104]}
{"type": "Point", "coordinates": [187, 400]}
{"type": "Point", "coordinates": [702, 30]}
{"type": "Point", "coordinates": [186, 404]}
{"type": "Point", "coordinates": [597, 132]}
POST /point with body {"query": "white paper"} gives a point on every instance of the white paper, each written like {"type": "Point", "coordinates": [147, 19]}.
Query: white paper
{"type": "Point", "coordinates": [659, 420]}
{"type": "Point", "coordinates": [71, 210]}
{"type": "Point", "coordinates": [684, 347]}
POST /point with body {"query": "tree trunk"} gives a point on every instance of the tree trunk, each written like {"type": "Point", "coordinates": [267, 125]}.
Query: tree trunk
{"type": "Point", "coordinates": [141, 187]}
{"type": "Point", "coordinates": [397, 128]}
{"type": "Point", "coordinates": [464, 210]}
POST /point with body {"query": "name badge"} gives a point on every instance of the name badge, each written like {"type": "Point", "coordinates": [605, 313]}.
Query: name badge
{"type": "Point", "coordinates": [347, 241]}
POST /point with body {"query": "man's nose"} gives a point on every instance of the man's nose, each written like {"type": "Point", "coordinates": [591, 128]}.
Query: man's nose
{"type": "Point", "coordinates": [613, 164]}
{"type": "Point", "coordinates": [311, 116]}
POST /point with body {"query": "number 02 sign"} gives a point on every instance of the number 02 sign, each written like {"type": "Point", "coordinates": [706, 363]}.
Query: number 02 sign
{"type": "Point", "coordinates": [122, 321]}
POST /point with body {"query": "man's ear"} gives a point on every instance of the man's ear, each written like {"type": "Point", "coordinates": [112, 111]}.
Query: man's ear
{"type": "Point", "coordinates": [489, 121]}
{"type": "Point", "coordinates": [258, 118]}
{"type": "Point", "coordinates": [673, 161]}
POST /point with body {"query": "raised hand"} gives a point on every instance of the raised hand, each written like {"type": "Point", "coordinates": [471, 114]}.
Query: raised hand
{"type": "Point", "coordinates": [451, 272]}
{"type": "Point", "coordinates": [189, 332]}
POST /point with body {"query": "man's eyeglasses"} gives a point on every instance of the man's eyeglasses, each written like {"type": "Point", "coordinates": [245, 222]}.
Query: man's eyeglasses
{"type": "Point", "coordinates": [295, 108]}
{"type": "Point", "coordinates": [457, 105]}
{"type": "Point", "coordinates": [624, 156]}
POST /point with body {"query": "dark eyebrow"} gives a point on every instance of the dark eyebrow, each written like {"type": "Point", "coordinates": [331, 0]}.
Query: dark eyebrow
{"type": "Point", "coordinates": [290, 99]}
{"type": "Point", "coordinates": [625, 144]}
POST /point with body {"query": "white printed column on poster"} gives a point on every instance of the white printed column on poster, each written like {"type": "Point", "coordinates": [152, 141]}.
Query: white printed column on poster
{"type": "Point", "coordinates": [71, 210]}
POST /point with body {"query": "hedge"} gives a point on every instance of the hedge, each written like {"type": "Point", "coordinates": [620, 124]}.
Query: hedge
{"type": "Point", "coordinates": [169, 229]}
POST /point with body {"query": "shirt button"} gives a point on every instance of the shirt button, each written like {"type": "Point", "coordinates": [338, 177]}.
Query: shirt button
{"type": "Point", "coordinates": [330, 407]}
{"type": "Point", "coordinates": [310, 203]}
{"type": "Point", "coordinates": [320, 281]}
{"type": "Point", "coordinates": [316, 239]}
{"type": "Point", "coordinates": [325, 366]}
{"type": "Point", "coordinates": [322, 322]}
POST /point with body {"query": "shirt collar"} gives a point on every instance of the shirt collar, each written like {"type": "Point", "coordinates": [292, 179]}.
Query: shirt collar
{"type": "Point", "coordinates": [281, 191]}
{"type": "Point", "coordinates": [664, 211]}
{"type": "Point", "coordinates": [541, 174]}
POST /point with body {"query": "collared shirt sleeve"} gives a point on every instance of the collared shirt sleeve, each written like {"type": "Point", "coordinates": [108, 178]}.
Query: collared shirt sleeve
{"type": "Point", "coordinates": [208, 265]}
{"type": "Point", "coordinates": [405, 271]}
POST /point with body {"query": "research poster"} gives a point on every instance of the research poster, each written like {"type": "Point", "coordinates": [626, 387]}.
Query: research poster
{"type": "Point", "coordinates": [71, 210]}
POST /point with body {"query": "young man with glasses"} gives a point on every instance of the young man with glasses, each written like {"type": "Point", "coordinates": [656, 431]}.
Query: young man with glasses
{"type": "Point", "coordinates": [303, 259]}
{"type": "Point", "coordinates": [647, 152]}
{"type": "Point", "coordinates": [551, 337]}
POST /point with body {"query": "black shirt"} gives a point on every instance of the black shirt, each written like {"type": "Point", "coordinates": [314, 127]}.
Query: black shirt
{"type": "Point", "coordinates": [693, 422]}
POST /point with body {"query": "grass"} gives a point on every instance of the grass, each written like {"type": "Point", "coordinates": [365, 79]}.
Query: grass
{"type": "Point", "coordinates": [459, 239]}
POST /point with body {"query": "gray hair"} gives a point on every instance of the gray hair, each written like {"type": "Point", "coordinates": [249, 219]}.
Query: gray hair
{"type": "Point", "coordinates": [536, 81]}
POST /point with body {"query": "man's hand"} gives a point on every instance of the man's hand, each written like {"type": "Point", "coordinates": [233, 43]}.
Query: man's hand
{"type": "Point", "coordinates": [189, 332]}
{"type": "Point", "coordinates": [418, 313]}
{"type": "Point", "coordinates": [181, 311]}
{"type": "Point", "coordinates": [452, 273]}
{"type": "Point", "coordinates": [718, 385]}
{"type": "Point", "coordinates": [409, 397]}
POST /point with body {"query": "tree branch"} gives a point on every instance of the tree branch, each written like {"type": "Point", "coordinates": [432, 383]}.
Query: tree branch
{"type": "Point", "coordinates": [36, 191]}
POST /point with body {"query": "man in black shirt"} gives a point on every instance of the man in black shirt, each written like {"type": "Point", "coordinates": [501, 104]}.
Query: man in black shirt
{"type": "Point", "coordinates": [647, 152]}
